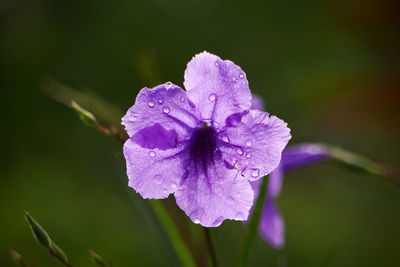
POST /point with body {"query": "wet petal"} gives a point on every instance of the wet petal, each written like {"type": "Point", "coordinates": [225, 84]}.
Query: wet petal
{"type": "Point", "coordinates": [272, 225]}
{"type": "Point", "coordinates": [165, 105]}
{"type": "Point", "coordinates": [153, 173]}
{"type": "Point", "coordinates": [217, 87]}
{"type": "Point", "coordinates": [255, 144]}
{"type": "Point", "coordinates": [209, 196]}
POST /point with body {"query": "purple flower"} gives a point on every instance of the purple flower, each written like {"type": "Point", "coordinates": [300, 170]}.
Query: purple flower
{"type": "Point", "coordinates": [272, 227]}
{"type": "Point", "coordinates": [205, 144]}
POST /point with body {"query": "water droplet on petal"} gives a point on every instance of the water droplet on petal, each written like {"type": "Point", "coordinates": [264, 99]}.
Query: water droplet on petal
{"type": "Point", "coordinates": [248, 155]}
{"type": "Point", "coordinates": [160, 100]}
{"type": "Point", "coordinates": [216, 63]}
{"type": "Point", "coordinates": [152, 154]}
{"type": "Point", "coordinates": [225, 138]}
{"type": "Point", "coordinates": [234, 79]}
{"type": "Point", "coordinates": [241, 76]}
{"type": "Point", "coordinates": [168, 85]}
{"type": "Point", "coordinates": [255, 172]}
{"type": "Point", "coordinates": [174, 185]}
{"type": "Point", "coordinates": [182, 99]}
{"type": "Point", "coordinates": [137, 149]}
{"type": "Point", "coordinates": [197, 215]}
{"type": "Point", "coordinates": [166, 110]}
{"type": "Point", "coordinates": [151, 103]}
{"type": "Point", "coordinates": [239, 216]}
{"type": "Point", "coordinates": [239, 151]}
{"type": "Point", "coordinates": [218, 221]}
{"type": "Point", "coordinates": [157, 179]}
{"type": "Point", "coordinates": [248, 143]}
{"type": "Point", "coordinates": [212, 97]}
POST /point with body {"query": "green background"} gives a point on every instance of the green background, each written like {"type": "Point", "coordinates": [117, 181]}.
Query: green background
{"type": "Point", "coordinates": [331, 69]}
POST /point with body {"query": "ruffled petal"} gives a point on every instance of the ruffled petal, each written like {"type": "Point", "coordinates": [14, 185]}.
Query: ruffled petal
{"type": "Point", "coordinates": [153, 173]}
{"type": "Point", "coordinates": [254, 145]}
{"type": "Point", "coordinates": [165, 105]}
{"type": "Point", "coordinates": [272, 225]}
{"type": "Point", "coordinates": [217, 87]}
{"type": "Point", "coordinates": [209, 196]}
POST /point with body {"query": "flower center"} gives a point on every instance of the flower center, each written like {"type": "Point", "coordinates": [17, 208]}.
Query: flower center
{"type": "Point", "coordinates": [202, 146]}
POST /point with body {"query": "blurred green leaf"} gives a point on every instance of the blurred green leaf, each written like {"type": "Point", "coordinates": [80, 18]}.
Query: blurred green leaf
{"type": "Point", "coordinates": [37, 230]}
{"type": "Point", "coordinates": [100, 107]}
{"type": "Point", "coordinates": [181, 249]}
{"type": "Point", "coordinates": [251, 230]}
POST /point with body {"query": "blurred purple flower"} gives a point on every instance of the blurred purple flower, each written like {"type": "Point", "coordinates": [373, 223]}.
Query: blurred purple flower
{"type": "Point", "coordinates": [272, 226]}
{"type": "Point", "coordinates": [205, 144]}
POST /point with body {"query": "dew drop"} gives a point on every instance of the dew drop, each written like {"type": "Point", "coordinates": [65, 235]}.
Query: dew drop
{"type": "Point", "coordinates": [255, 172]}
{"type": "Point", "coordinates": [174, 185]}
{"type": "Point", "coordinates": [234, 79]}
{"type": "Point", "coordinates": [216, 63]}
{"type": "Point", "coordinates": [248, 143]}
{"type": "Point", "coordinates": [239, 151]}
{"type": "Point", "coordinates": [157, 179]}
{"type": "Point", "coordinates": [166, 110]}
{"type": "Point", "coordinates": [182, 99]}
{"type": "Point", "coordinates": [160, 100]}
{"type": "Point", "coordinates": [239, 216]}
{"type": "Point", "coordinates": [248, 155]}
{"type": "Point", "coordinates": [152, 154]}
{"type": "Point", "coordinates": [241, 76]}
{"type": "Point", "coordinates": [218, 221]}
{"type": "Point", "coordinates": [196, 215]}
{"type": "Point", "coordinates": [212, 97]}
{"type": "Point", "coordinates": [168, 85]}
{"type": "Point", "coordinates": [151, 103]}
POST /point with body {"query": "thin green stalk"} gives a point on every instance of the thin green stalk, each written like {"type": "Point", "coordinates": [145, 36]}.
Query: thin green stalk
{"type": "Point", "coordinates": [177, 242]}
{"type": "Point", "coordinates": [251, 229]}
{"type": "Point", "coordinates": [211, 248]}
{"type": "Point", "coordinates": [354, 160]}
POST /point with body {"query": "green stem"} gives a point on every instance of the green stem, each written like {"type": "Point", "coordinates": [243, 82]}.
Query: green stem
{"type": "Point", "coordinates": [211, 248]}
{"type": "Point", "coordinates": [183, 252]}
{"type": "Point", "coordinates": [252, 227]}
{"type": "Point", "coordinates": [354, 160]}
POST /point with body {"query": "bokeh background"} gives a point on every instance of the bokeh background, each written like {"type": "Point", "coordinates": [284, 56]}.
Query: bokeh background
{"type": "Point", "coordinates": [331, 69]}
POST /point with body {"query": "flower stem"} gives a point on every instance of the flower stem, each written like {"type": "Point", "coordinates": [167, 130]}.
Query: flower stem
{"type": "Point", "coordinates": [177, 242]}
{"type": "Point", "coordinates": [251, 230]}
{"type": "Point", "coordinates": [211, 248]}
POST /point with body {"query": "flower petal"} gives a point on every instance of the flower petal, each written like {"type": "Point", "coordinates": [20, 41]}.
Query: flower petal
{"type": "Point", "coordinates": [257, 102]}
{"type": "Point", "coordinates": [255, 144]}
{"type": "Point", "coordinates": [210, 196]}
{"type": "Point", "coordinates": [272, 225]}
{"type": "Point", "coordinates": [275, 182]}
{"type": "Point", "coordinates": [217, 87]}
{"type": "Point", "coordinates": [303, 154]}
{"type": "Point", "coordinates": [153, 173]}
{"type": "Point", "coordinates": [166, 105]}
